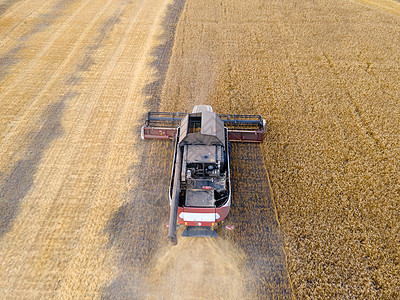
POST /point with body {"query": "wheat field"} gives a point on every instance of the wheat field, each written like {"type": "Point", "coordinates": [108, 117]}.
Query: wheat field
{"type": "Point", "coordinates": [325, 76]}
{"type": "Point", "coordinates": [83, 201]}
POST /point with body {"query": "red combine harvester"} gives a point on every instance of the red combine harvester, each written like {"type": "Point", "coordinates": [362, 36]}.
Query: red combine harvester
{"type": "Point", "coordinates": [200, 189]}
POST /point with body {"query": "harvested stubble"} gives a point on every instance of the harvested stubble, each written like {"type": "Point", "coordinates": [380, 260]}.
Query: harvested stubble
{"type": "Point", "coordinates": [71, 80]}
{"type": "Point", "coordinates": [325, 75]}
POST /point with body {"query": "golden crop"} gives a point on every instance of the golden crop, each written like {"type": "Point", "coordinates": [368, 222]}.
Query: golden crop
{"type": "Point", "coordinates": [325, 76]}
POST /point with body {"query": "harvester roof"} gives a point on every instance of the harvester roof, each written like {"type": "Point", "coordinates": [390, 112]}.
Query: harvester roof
{"type": "Point", "coordinates": [202, 128]}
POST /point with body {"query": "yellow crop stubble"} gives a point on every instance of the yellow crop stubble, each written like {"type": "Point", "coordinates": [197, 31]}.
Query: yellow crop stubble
{"type": "Point", "coordinates": [40, 78]}
{"type": "Point", "coordinates": [324, 74]}
{"type": "Point", "coordinates": [386, 5]}
{"type": "Point", "coordinates": [81, 179]}
{"type": "Point", "coordinates": [334, 177]}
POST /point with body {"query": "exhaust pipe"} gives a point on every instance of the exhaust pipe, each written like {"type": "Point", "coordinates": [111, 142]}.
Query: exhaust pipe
{"type": "Point", "coordinates": [175, 198]}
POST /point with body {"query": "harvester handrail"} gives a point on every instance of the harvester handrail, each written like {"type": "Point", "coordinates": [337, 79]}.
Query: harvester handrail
{"type": "Point", "coordinates": [172, 119]}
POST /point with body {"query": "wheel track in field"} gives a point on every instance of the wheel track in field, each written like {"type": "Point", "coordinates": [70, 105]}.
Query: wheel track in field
{"type": "Point", "coordinates": [356, 109]}
{"type": "Point", "coordinates": [14, 187]}
{"type": "Point", "coordinates": [351, 100]}
{"type": "Point", "coordinates": [9, 59]}
{"type": "Point", "coordinates": [385, 5]}
{"type": "Point", "coordinates": [29, 13]}
{"type": "Point", "coordinates": [335, 103]}
{"type": "Point", "coordinates": [65, 287]}
{"type": "Point", "coordinates": [36, 62]}
{"type": "Point", "coordinates": [6, 5]}
{"type": "Point", "coordinates": [18, 133]}
{"type": "Point", "coordinates": [107, 26]}
{"type": "Point", "coordinates": [125, 111]}
{"type": "Point", "coordinates": [136, 227]}
{"type": "Point", "coordinates": [72, 93]}
{"type": "Point", "coordinates": [364, 124]}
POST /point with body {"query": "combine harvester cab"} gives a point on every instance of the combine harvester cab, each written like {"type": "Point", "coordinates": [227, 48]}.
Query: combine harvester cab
{"type": "Point", "coordinates": [200, 188]}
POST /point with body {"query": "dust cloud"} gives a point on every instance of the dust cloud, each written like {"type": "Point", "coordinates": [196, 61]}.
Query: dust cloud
{"type": "Point", "coordinates": [198, 268]}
